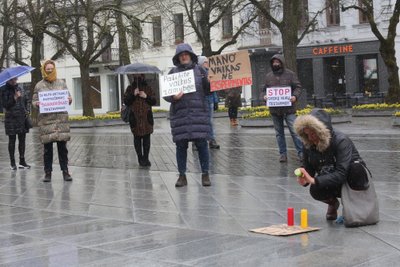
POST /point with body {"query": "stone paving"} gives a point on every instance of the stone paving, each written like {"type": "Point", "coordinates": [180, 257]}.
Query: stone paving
{"type": "Point", "coordinates": [116, 214]}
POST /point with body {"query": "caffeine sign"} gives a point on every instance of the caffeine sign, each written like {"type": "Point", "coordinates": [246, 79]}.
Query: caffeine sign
{"type": "Point", "coordinates": [229, 70]}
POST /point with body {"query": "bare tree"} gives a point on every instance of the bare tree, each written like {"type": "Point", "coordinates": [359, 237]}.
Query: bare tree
{"type": "Point", "coordinates": [205, 15]}
{"type": "Point", "coordinates": [387, 43]}
{"type": "Point", "coordinates": [293, 21]}
{"type": "Point", "coordinates": [87, 30]}
{"type": "Point", "coordinates": [6, 10]}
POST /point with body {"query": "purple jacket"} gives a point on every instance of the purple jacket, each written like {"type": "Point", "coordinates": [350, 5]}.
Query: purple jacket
{"type": "Point", "coordinates": [189, 115]}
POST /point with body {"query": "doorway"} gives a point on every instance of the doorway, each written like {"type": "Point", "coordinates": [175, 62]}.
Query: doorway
{"type": "Point", "coordinates": [335, 80]}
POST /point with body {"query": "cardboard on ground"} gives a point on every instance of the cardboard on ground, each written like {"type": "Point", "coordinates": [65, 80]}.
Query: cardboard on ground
{"type": "Point", "coordinates": [283, 230]}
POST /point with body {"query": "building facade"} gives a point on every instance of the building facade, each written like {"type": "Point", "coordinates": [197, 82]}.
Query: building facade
{"type": "Point", "coordinates": [340, 58]}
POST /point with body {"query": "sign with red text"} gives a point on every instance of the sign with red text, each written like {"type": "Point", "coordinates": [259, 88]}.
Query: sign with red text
{"type": "Point", "coordinates": [229, 70]}
{"type": "Point", "coordinates": [53, 101]}
{"type": "Point", "coordinates": [172, 84]}
{"type": "Point", "coordinates": [279, 96]}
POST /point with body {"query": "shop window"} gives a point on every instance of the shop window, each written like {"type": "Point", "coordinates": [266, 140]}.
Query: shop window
{"type": "Point", "coordinates": [305, 74]}
{"type": "Point", "coordinates": [368, 74]}
{"type": "Point", "coordinates": [157, 34]}
{"type": "Point", "coordinates": [179, 28]}
{"type": "Point", "coordinates": [332, 13]}
{"type": "Point", "coordinates": [94, 92]}
{"type": "Point", "coordinates": [77, 93]}
{"type": "Point", "coordinates": [362, 17]}
{"type": "Point", "coordinates": [227, 24]}
{"type": "Point", "coordinates": [334, 72]}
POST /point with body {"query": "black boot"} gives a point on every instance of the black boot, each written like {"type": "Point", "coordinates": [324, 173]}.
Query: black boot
{"type": "Point", "coordinates": [67, 177]}
{"type": "Point", "coordinates": [23, 164]}
{"type": "Point", "coordinates": [213, 144]}
{"type": "Point", "coordinates": [47, 177]}
{"type": "Point", "coordinates": [146, 150]}
{"type": "Point", "coordinates": [137, 141]}
{"type": "Point", "coordinates": [181, 181]}
{"type": "Point", "coordinates": [333, 205]}
{"type": "Point", "coordinates": [12, 164]}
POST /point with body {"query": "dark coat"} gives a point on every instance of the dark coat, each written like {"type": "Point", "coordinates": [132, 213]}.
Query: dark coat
{"type": "Point", "coordinates": [330, 160]}
{"type": "Point", "coordinates": [283, 77]}
{"type": "Point", "coordinates": [141, 119]}
{"type": "Point", "coordinates": [15, 110]}
{"type": "Point", "coordinates": [233, 98]}
{"type": "Point", "coordinates": [189, 115]}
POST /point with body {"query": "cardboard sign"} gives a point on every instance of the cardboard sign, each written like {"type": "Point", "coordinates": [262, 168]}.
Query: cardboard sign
{"type": "Point", "coordinates": [229, 70]}
{"type": "Point", "coordinates": [283, 230]}
{"type": "Point", "coordinates": [172, 84]}
{"type": "Point", "coordinates": [54, 101]}
{"type": "Point", "coordinates": [279, 96]}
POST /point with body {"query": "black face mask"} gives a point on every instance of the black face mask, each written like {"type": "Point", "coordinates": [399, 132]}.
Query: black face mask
{"type": "Point", "coordinates": [276, 67]}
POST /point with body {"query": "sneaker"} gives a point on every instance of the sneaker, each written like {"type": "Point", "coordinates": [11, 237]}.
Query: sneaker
{"type": "Point", "coordinates": [283, 158]}
{"type": "Point", "coordinates": [213, 144]}
{"type": "Point", "coordinates": [13, 167]}
{"type": "Point", "coordinates": [23, 165]}
{"type": "Point", "coordinates": [67, 177]}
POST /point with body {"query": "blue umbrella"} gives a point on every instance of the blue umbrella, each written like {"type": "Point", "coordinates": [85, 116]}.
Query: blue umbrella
{"type": "Point", "coordinates": [13, 72]}
{"type": "Point", "coordinates": [137, 68]}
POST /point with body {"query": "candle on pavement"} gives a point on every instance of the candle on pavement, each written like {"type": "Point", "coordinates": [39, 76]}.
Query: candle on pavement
{"type": "Point", "coordinates": [303, 218]}
{"type": "Point", "coordinates": [290, 216]}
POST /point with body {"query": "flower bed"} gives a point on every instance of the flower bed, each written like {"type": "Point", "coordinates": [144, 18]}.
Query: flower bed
{"type": "Point", "coordinates": [263, 118]}
{"type": "Point", "coordinates": [375, 110]}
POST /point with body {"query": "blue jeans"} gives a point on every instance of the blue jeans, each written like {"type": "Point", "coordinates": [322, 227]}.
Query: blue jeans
{"type": "Point", "coordinates": [181, 154]}
{"type": "Point", "coordinates": [280, 133]}
{"type": "Point", "coordinates": [210, 102]}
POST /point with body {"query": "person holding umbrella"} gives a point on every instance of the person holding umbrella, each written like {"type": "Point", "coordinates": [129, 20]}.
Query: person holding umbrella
{"type": "Point", "coordinates": [139, 97]}
{"type": "Point", "coordinates": [54, 127]}
{"type": "Point", "coordinates": [15, 102]}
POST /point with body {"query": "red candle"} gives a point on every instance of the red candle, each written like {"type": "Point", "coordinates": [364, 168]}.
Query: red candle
{"type": "Point", "coordinates": [290, 216]}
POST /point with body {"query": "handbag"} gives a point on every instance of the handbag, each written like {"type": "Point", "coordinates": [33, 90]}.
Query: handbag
{"type": "Point", "coordinates": [125, 113]}
{"type": "Point", "coordinates": [28, 122]}
{"type": "Point", "coordinates": [360, 207]}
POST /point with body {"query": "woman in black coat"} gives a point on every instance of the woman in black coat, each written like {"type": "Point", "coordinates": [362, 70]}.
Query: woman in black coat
{"type": "Point", "coordinates": [15, 102]}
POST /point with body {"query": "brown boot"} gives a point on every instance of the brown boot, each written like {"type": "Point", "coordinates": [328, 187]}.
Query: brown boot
{"type": "Point", "coordinates": [235, 122]}
{"type": "Point", "coordinates": [232, 122]}
{"type": "Point", "coordinates": [333, 205]}
{"type": "Point", "coordinates": [205, 179]}
{"type": "Point", "coordinates": [181, 181]}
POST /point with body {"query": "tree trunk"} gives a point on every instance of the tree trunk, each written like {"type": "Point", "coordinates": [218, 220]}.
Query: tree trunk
{"type": "Point", "coordinates": [85, 83]}
{"type": "Point", "coordinates": [36, 74]}
{"type": "Point", "coordinates": [124, 57]}
{"type": "Point", "coordinates": [388, 54]}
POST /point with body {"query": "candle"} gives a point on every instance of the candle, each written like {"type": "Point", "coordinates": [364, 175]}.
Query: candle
{"type": "Point", "coordinates": [290, 216]}
{"type": "Point", "coordinates": [303, 218]}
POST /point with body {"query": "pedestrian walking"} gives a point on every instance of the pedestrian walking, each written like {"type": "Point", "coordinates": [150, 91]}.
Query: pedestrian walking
{"type": "Point", "coordinates": [139, 97]}
{"type": "Point", "coordinates": [16, 104]}
{"type": "Point", "coordinates": [53, 127]}
{"type": "Point", "coordinates": [233, 101]}
{"type": "Point", "coordinates": [210, 100]}
{"type": "Point", "coordinates": [189, 116]}
{"type": "Point", "coordinates": [280, 76]}
{"type": "Point", "coordinates": [328, 157]}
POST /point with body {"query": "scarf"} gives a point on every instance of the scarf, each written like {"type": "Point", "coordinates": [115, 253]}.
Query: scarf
{"type": "Point", "coordinates": [50, 77]}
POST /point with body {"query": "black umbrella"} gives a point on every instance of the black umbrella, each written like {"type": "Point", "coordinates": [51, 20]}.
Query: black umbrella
{"type": "Point", "coordinates": [137, 68]}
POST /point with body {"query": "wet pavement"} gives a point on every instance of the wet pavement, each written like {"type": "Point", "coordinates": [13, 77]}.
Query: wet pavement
{"type": "Point", "coordinates": [115, 213]}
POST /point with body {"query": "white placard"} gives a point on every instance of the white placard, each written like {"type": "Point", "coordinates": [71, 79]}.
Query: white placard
{"type": "Point", "coordinates": [172, 84]}
{"type": "Point", "coordinates": [279, 96]}
{"type": "Point", "coordinates": [53, 101]}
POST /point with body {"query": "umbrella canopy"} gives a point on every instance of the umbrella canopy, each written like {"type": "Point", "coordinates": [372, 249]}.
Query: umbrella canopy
{"type": "Point", "coordinates": [137, 68]}
{"type": "Point", "coordinates": [13, 72]}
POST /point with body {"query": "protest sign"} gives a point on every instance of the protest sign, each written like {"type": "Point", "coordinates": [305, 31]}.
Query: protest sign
{"type": "Point", "coordinates": [230, 70]}
{"type": "Point", "coordinates": [172, 84]}
{"type": "Point", "coordinates": [53, 101]}
{"type": "Point", "coordinates": [279, 96]}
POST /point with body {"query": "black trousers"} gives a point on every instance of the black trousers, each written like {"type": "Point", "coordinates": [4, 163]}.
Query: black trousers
{"type": "Point", "coordinates": [324, 194]}
{"type": "Point", "coordinates": [233, 112]}
{"type": "Point", "coordinates": [142, 146]}
{"type": "Point", "coordinates": [62, 156]}
{"type": "Point", "coordinates": [21, 146]}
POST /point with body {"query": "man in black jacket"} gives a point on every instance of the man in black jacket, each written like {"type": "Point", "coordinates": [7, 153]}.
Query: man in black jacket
{"type": "Point", "coordinates": [278, 78]}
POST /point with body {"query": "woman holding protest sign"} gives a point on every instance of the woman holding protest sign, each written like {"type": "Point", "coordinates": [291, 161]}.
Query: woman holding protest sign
{"type": "Point", "coordinates": [54, 126]}
{"type": "Point", "coordinates": [189, 115]}
{"type": "Point", "coordinates": [15, 102]}
{"type": "Point", "coordinates": [139, 97]}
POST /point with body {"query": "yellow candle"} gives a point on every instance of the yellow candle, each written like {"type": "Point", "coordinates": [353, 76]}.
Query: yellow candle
{"type": "Point", "coordinates": [303, 218]}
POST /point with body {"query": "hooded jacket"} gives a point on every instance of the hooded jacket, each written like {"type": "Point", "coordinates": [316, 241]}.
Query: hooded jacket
{"type": "Point", "coordinates": [189, 117]}
{"type": "Point", "coordinates": [281, 78]}
{"type": "Point", "coordinates": [15, 110]}
{"type": "Point", "coordinates": [329, 161]}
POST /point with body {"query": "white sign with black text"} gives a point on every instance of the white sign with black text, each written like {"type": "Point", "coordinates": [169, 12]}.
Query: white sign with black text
{"type": "Point", "coordinates": [172, 84]}
{"type": "Point", "coordinates": [53, 101]}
